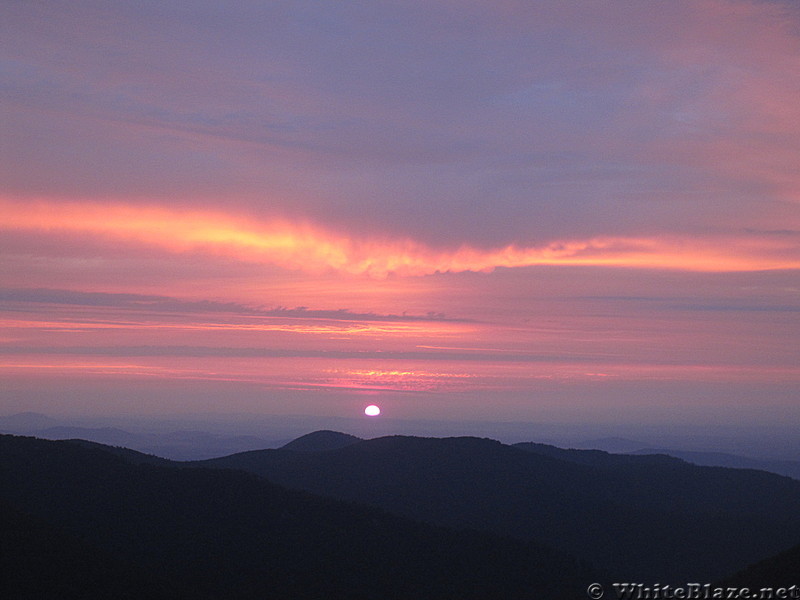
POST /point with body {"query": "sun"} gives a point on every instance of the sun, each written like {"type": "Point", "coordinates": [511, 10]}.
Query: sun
{"type": "Point", "coordinates": [372, 410]}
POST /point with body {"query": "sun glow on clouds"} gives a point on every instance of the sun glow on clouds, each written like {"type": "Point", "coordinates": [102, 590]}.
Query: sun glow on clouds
{"type": "Point", "coordinates": [313, 249]}
{"type": "Point", "coordinates": [401, 380]}
{"type": "Point", "coordinates": [338, 328]}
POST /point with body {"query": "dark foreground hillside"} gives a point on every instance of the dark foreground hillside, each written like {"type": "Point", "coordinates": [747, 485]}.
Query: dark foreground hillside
{"type": "Point", "coordinates": [782, 570]}
{"type": "Point", "coordinates": [638, 518]}
{"type": "Point", "coordinates": [79, 517]}
{"type": "Point", "coordinates": [41, 561]}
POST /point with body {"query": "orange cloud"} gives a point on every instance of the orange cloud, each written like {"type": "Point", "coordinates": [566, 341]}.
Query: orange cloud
{"type": "Point", "coordinates": [309, 248]}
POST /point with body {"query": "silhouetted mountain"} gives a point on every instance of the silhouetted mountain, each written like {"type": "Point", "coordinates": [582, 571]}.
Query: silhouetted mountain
{"type": "Point", "coordinates": [176, 445]}
{"type": "Point", "coordinates": [789, 468]}
{"type": "Point", "coordinates": [782, 570]}
{"type": "Point", "coordinates": [596, 458]}
{"type": "Point", "coordinates": [706, 459]}
{"type": "Point", "coordinates": [640, 518]}
{"type": "Point", "coordinates": [131, 456]}
{"type": "Point", "coordinates": [612, 444]}
{"type": "Point", "coordinates": [319, 441]}
{"type": "Point", "coordinates": [102, 435]}
{"type": "Point", "coordinates": [226, 534]}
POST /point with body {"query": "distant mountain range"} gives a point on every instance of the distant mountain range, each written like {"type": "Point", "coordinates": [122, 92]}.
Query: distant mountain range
{"type": "Point", "coordinates": [639, 518]}
{"type": "Point", "coordinates": [331, 515]}
{"type": "Point", "coordinates": [203, 439]}
{"type": "Point", "coordinates": [176, 445]}
{"type": "Point", "coordinates": [83, 521]}
{"type": "Point", "coordinates": [789, 468]}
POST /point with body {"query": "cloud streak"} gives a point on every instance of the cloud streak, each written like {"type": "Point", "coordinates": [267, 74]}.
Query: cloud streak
{"type": "Point", "coordinates": [22, 298]}
{"type": "Point", "coordinates": [426, 121]}
{"type": "Point", "coordinates": [315, 250]}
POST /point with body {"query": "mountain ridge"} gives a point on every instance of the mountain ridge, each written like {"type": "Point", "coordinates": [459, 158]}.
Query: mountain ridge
{"type": "Point", "coordinates": [321, 440]}
{"type": "Point", "coordinates": [562, 497]}
{"type": "Point", "coordinates": [230, 534]}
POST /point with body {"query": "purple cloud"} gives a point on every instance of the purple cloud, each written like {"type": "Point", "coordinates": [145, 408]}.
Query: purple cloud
{"type": "Point", "coordinates": [447, 123]}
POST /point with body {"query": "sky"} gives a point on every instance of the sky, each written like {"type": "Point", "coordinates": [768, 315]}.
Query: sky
{"type": "Point", "coordinates": [490, 211]}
